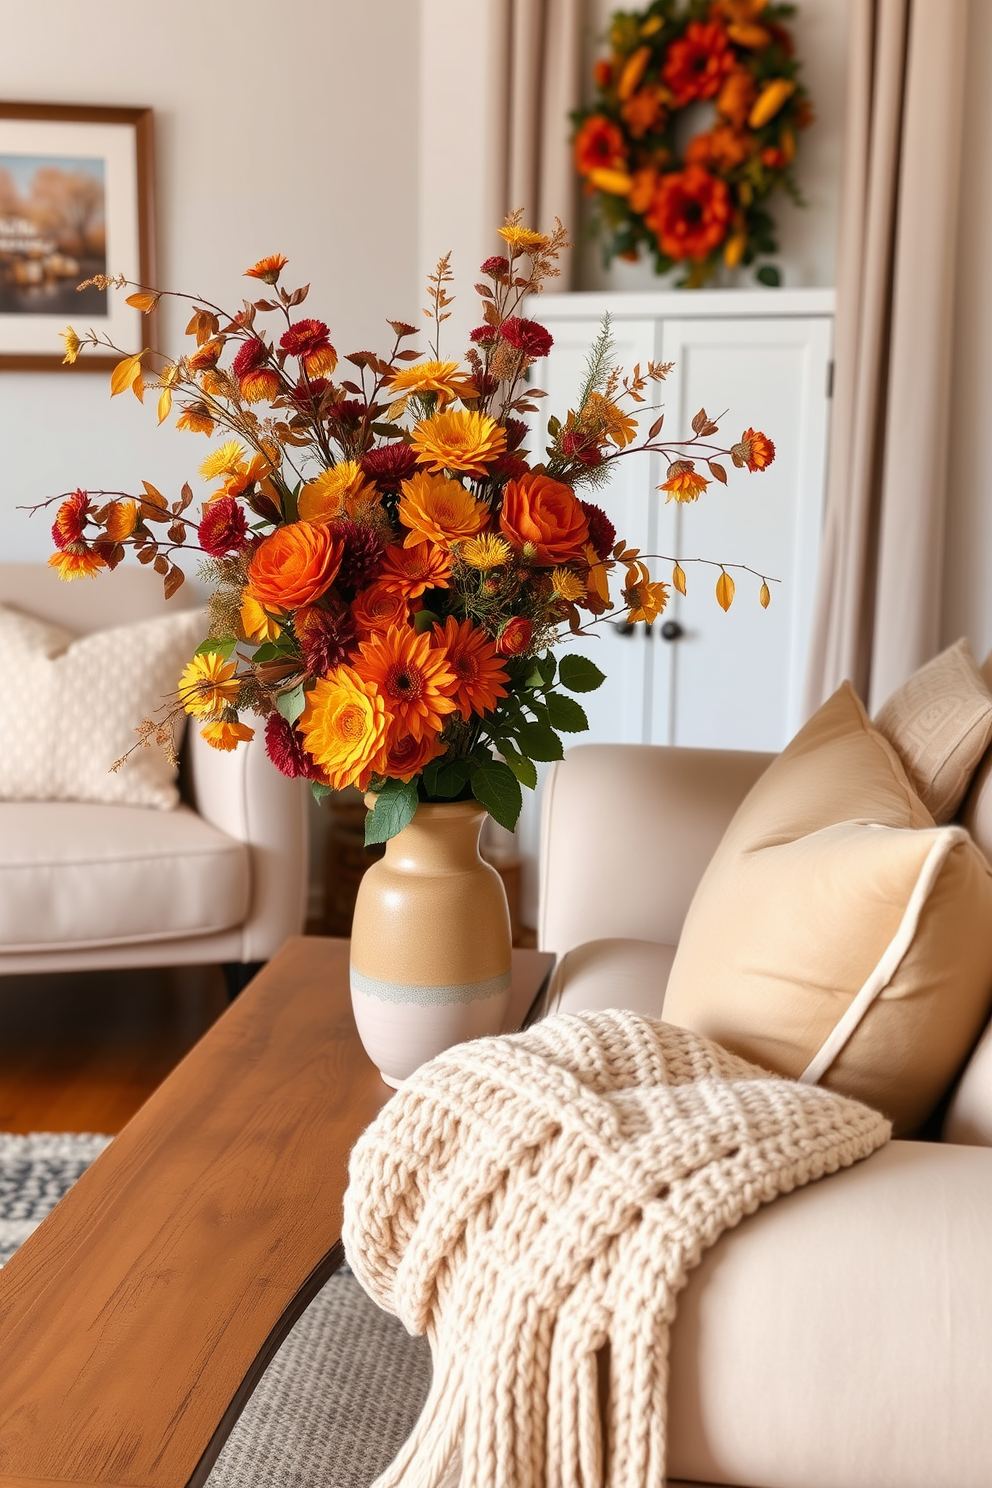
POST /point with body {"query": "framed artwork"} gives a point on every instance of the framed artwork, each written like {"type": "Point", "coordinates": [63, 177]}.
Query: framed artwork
{"type": "Point", "coordinates": [76, 200]}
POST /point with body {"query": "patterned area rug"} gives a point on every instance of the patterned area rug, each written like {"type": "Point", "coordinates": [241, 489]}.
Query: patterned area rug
{"type": "Point", "coordinates": [338, 1399]}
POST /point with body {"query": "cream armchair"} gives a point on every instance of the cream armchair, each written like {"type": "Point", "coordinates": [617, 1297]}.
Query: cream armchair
{"type": "Point", "coordinates": [840, 1337]}
{"type": "Point", "coordinates": [222, 879]}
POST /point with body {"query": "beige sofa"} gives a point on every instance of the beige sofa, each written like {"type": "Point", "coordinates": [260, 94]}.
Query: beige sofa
{"type": "Point", "coordinates": [842, 1337]}
{"type": "Point", "coordinates": [220, 879]}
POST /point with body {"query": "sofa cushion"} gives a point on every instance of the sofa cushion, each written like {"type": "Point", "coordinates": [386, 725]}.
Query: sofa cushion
{"type": "Point", "coordinates": [969, 1115]}
{"type": "Point", "coordinates": [940, 723]}
{"type": "Point", "coordinates": [69, 708]}
{"type": "Point", "coordinates": [837, 935]}
{"type": "Point", "coordinates": [611, 974]}
{"type": "Point", "coordinates": [75, 874]}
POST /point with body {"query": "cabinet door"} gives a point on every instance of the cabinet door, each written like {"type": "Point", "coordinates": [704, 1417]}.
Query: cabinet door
{"type": "Point", "coordinates": [734, 680]}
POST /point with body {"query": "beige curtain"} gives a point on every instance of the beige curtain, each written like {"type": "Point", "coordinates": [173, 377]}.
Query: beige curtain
{"type": "Point", "coordinates": [878, 602]}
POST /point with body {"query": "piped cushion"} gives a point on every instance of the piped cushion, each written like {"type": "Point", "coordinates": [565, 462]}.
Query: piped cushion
{"type": "Point", "coordinates": [838, 936]}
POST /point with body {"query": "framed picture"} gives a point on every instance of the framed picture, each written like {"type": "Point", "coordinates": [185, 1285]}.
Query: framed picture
{"type": "Point", "coordinates": [75, 201]}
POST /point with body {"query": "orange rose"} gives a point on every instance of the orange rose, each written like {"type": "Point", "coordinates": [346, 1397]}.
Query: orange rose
{"type": "Point", "coordinates": [544, 518]}
{"type": "Point", "coordinates": [377, 607]}
{"type": "Point", "coordinates": [294, 565]}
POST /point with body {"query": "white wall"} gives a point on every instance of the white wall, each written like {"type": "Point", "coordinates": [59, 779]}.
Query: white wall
{"type": "Point", "coordinates": [292, 128]}
{"type": "Point", "coordinates": [807, 235]}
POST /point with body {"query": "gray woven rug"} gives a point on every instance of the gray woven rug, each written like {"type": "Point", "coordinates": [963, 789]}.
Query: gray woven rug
{"type": "Point", "coordinates": [338, 1399]}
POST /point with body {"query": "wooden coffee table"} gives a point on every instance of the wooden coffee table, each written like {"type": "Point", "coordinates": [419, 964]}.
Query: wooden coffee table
{"type": "Point", "coordinates": [138, 1318]}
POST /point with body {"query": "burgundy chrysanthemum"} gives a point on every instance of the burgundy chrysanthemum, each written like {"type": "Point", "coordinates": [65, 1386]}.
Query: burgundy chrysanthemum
{"type": "Point", "coordinates": [389, 465]}
{"type": "Point", "coordinates": [70, 520]}
{"type": "Point", "coordinates": [527, 336]}
{"type": "Point", "coordinates": [306, 395]}
{"type": "Point", "coordinates": [508, 467]}
{"type": "Point", "coordinates": [284, 746]}
{"type": "Point", "coordinates": [224, 528]}
{"type": "Point", "coordinates": [326, 633]}
{"type": "Point", "coordinates": [575, 446]}
{"type": "Point", "coordinates": [350, 412]}
{"type": "Point", "coordinates": [363, 553]}
{"type": "Point", "coordinates": [516, 431]}
{"type": "Point", "coordinates": [251, 355]}
{"type": "Point", "coordinates": [304, 337]}
{"type": "Point", "coordinates": [602, 533]}
{"type": "Point", "coordinates": [485, 385]}
{"type": "Point", "coordinates": [495, 266]}
{"type": "Point", "coordinates": [484, 335]}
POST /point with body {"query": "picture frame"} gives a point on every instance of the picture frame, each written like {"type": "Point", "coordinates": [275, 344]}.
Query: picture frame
{"type": "Point", "coordinates": [76, 200]}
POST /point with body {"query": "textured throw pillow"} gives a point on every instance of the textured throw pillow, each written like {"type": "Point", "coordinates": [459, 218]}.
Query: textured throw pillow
{"type": "Point", "coordinates": [69, 707]}
{"type": "Point", "coordinates": [838, 936]}
{"type": "Point", "coordinates": [940, 724]}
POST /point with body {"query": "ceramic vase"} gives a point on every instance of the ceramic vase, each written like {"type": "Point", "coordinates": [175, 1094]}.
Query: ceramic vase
{"type": "Point", "coordinates": [430, 942]}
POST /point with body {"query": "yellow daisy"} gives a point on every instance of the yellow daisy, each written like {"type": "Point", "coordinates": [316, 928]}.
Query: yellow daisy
{"type": "Point", "coordinates": [208, 684]}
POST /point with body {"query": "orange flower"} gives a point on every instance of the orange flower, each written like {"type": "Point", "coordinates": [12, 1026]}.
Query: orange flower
{"type": "Point", "coordinates": [755, 450]}
{"type": "Point", "coordinates": [544, 518]}
{"type": "Point", "coordinates": [646, 600]}
{"type": "Point", "coordinates": [646, 110]}
{"type": "Point", "coordinates": [378, 607]}
{"type": "Point", "coordinates": [294, 565]}
{"type": "Point", "coordinates": [439, 510]}
{"type": "Point", "coordinates": [267, 269]}
{"type": "Point", "coordinates": [720, 148]}
{"type": "Point", "coordinates": [256, 624]}
{"type": "Point", "coordinates": [472, 657]}
{"type": "Point", "coordinates": [70, 519]}
{"type": "Point", "coordinates": [76, 562]}
{"type": "Point", "coordinates": [459, 441]}
{"type": "Point", "coordinates": [736, 97]}
{"type": "Point", "coordinates": [644, 183]}
{"type": "Point", "coordinates": [690, 214]}
{"type": "Point", "coordinates": [207, 355]}
{"type": "Point", "coordinates": [413, 679]}
{"type": "Point", "coordinates": [406, 756]}
{"type": "Point", "coordinates": [521, 239]}
{"type": "Point", "coordinates": [516, 636]}
{"type": "Point", "coordinates": [121, 520]}
{"type": "Point", "coordinates": [227, 734]}
{"type": "Point", "coordinates": [197, 418]}
{"type": "Point", "coordinates": [409, 571]}
{"type": "Point", "coordinates": [442, 378]}
{"type": "Point", "coordinates": [599, 145]}
{"type": "Point", "coordinates": [633, 70]}
{"type": "Point", "coordinates": [334, 492]}
{"type": "Point", "coordinates": [684, 482]}
{"type": "Point", "coordinates": [697, 63]}
{"type": "Point", "coordinates": [344, 727]}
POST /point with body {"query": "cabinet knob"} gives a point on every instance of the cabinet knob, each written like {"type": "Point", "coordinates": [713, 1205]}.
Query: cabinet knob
{"type": "Point", "coordinates": [623, 627]}
{"type": "Point", "coordinates": [671, 630]}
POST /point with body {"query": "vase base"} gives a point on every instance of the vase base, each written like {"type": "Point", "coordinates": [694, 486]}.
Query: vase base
{"type": "Point", "coordinates": [390, 1080]}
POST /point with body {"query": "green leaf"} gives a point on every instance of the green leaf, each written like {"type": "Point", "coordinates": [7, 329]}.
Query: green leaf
{"type": "Point", "coordinates": [496, 787]}
{"type": "Point", "coordinates": [540, 712]}
{"type": "Point", "coordinates": [547, 666]}
{"type": "Point", "coordinates": [534, 679]}
{"type": "Point", "coordinates": [425, 620]}
{"type": "Point", "coordinates": [539, 742]}
{"type": "Point", "coordinates": [769, 274]}
{"type": "Point", "coordinates": [217, 646]}
{"type": "Point", "coordinates": [291, 704]}
{"type": "Point", "coordinates": [393, 810]}
{"type": "Point", "coordinates": [524, 769]}
{"type": "Point", "coordinates": [445, 778]}
{"type": "Point", "coordinates": [320, 791]}
{"type": "Point", "coordinates": [566, 713]}
{"type": "Point", "coordinates": [579, 674]}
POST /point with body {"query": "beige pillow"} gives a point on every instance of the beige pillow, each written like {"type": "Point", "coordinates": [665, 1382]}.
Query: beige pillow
{"type": "Point", "coordinates": [969, 1115]}
{"type": "Point", "coordinates": [940, 725]}
{"type": "Point", "coordinates": [838, 936]}
{"type": "Point", "coordinates": [69, 707]}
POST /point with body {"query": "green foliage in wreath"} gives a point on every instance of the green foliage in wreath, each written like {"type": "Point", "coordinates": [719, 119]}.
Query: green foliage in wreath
{"type": "Point", "coordinates": [706, 204]}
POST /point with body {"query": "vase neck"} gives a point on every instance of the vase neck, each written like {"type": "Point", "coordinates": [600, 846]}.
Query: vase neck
{"type": "Point", "coordinates": [441, 838]}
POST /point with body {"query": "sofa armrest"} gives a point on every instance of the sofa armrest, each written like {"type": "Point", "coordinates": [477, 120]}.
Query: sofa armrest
{"type": "Point", "coordinates": [241, 793]}
{"type": "Point", "coordinates": [626, 833]}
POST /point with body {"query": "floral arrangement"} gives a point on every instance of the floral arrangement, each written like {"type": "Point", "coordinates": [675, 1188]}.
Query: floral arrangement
{"type": "Point", "coordinates": [705, 205]}
{"type": "Point", "coordinates": [390, 567]}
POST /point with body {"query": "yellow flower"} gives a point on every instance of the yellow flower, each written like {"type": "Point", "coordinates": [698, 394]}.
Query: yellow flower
{"type": "Point", "coordinates": [604, 416]}
{"type": "Point", "coordinates": [344, 726]}
{"type": "Point", "coordinates": [257, 624]}
{"type": "Point", "coordinates": [223, 461]}
{"type": "Point", "coordinates": [196, 417]}
{"type": "Point", "coordinates": [223, 734]}
{"type": "Point", "coordinates": [522, 239]}
{"type": "Point", "coordinates": [439, 510]}
{"type": "Point", "coordinates": [598, 577]}
{"type": "Point", "coordinates": [442, 378]}
{"type": "Point", "coordinates": [646, 600]}
{"type": "Point", "coordinates": [208, 684]}
{"type": "Point", "coordinates": [613, 182]}
{"type": "Point", "coordinates": [121, 520]}
{"type": "Point", "coordinates": [684, 482]}
{"type": "Point", "coordinates": [72, 344]}
{"type": "Point", "coordinates": [771, 98]}
{"type": "Point", "coordinates": [567, 585]}
{"type": "Point", "coordinates": [76, 562]}
{"type": "Point", "coordinates": [485, 552]}
{"type": "Point", "coordinates": [334, 492]}
{"type": "Point", "coordinates": [459, 441]}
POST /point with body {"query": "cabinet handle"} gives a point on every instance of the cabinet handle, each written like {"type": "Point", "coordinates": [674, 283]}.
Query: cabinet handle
{"type": "Point", "coordinates": [671, 631]}
{"type": "Point", "coordinates": [623, 627]}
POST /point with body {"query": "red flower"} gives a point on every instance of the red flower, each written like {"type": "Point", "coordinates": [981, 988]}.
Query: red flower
{"type": "Point", "coordinates": [70, 520]}
{"type": "Point", "coordinates": [602, 533]}
{"type": "Point", "coordinates": [389, 465]}
{"type": "Point", "coordinates": [284, 746]}
{"type": "Point", "coordinates": [256, 379]}
{"type": "Point", "coordinates": [306, 395]}
{"type": "Point", "coordinates": [495, 266]}
{"type": "Point", "coordinates": [484, 335]}
{"type": "Point", "coordinates": [603, 73]}
{"type": "Point", "coordinates": [527, 336]}
{"type": "Point", "coordinates": [224, 528]}
{"type": "Point", "coordinates": [697, 63]}
{"type": "Point", "coordinates": [582, 447]}
{"type": "Point", "coordinates": [690, 213]}
{"type": "Point", "coordinates": [348, 413]}
{"type": "Point", "coordinates": [361, 560]}
{"type": "Point", "coordinates": [515, 637]}
{"type": "Point", "coordinates": [508, 467]}
{"type": "Point", "coordinates": [310, 341]}
{"type": "Point", "coordinates": [599, 145]}
{"type": "Point", "coordinates": [516, 432]}
{"type": "Point", "coordinates": [326, 633]}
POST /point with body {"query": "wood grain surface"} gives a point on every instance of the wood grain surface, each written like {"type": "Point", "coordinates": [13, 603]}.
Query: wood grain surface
{"type": "Point", "coordinates": [138, 1317]}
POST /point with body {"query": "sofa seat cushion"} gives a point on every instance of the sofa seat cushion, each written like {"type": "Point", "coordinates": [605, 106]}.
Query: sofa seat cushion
{"type": "Point", "coordinates": [76, 874]}
{"type": "Point", "coordinates": [614, 973]}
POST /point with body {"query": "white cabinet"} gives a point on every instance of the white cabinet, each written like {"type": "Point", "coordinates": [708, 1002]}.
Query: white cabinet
{"type": "Point", "coordinates": [729, 680]}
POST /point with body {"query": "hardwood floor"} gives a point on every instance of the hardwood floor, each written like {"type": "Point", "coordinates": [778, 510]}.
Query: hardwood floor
{"type": "Point", "coordinates": [82, 1052]}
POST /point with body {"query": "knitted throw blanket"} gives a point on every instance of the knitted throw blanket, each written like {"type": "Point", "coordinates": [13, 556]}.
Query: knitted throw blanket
{"type": "Point", "coordinates": [527, 1200]}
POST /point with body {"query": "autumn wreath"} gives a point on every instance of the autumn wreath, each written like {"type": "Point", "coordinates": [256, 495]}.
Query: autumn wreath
{"type": "Point", "coordinates": [702, 203]}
